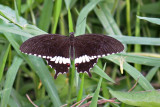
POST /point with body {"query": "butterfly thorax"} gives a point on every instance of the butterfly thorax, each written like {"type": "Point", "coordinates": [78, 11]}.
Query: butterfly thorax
{"type": "Point", "coordinates": [72, 45]}
{"type": "Point", "coordinates": [72, 38]}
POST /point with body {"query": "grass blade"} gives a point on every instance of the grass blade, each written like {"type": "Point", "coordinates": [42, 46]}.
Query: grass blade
{"type": "Point", "coordinates": [10, 78]}
{"type": "Point", "coordinates": [152, 20]}
{"type": "Point", "coordinates": [96, 94]}
{"type": "Point", "coordinates": [142, 99]}
{"type": "Point", "coordinates": [80, 91]}
{"type": "Point", "coordinates": [137, 47]}
{"type": "Point", "coordinates": [58, 5]}
{"type": "Point", "coordinates": [152, 73]}
{"type": "Point", "coordinates": [100, 72]}
{"type": "Point", "coordinates": [40, 68]}
{"type": "Point", "coordinates": [107, 20]}
{"type": "Point", "coordinates": [133, 72]}
{"type": "Point", "coordinates": [138, 40]}
{"type": "Point", "coordinates": [3, 59]}
{"type": "Point", "coordinates": [81, 22]}
{"type": "Point", "coordinates": [72, 68]}
{"type": "Point", "coordinates": [46, 14]}
{"type": "Point", "coordinates": [128, 17]}
{"type": "Point", "coordinates": [144, 60]}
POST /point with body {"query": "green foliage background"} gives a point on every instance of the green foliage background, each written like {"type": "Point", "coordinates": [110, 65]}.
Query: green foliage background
{"type": "Point", "coordinates": [133, 22]}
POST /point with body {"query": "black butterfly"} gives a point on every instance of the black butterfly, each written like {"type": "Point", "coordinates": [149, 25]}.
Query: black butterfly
{"type": "Point", "coordinates": [57, 50]}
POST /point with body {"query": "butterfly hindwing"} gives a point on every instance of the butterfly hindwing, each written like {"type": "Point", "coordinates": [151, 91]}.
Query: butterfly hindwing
{"type": "Point", "coordinates": [85, 67]}
{"type": "Point", "coordinates": [59, 68]}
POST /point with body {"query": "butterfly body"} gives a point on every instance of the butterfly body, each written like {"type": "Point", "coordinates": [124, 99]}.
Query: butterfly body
{"type": "Point", "coordinates": [59, 50]}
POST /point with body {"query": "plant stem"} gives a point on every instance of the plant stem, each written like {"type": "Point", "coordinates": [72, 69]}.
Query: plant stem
{"type": "Point", "coordinates": [72, 67]}
{"type": "Point", "coordinates": [80, 92]}
{"type": "Point", "coordinates": [137, 34]}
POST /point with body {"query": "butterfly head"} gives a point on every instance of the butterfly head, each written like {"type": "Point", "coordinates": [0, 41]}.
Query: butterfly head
{"type": "Point", "coordinates": [71, 34]}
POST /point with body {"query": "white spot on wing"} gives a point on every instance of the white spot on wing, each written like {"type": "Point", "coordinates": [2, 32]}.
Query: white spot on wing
{"type": "Point", "coordinates": [85, 72]}
{"type": "Point", "coordinates": [50, 66]}
{"type": "Point", "coordinates": [87, 58]}
{"type": "Point", "coordinates": [54, 58]}
{"type": "Point", "coordinates": [60, 60]}
{"type": "Point", "coordinates": [43, 56]}
{"type": "Point", "coordinates": [80, 59]}
{"type": "Point", "coordinates": [92, 57]}
{"type": "Point", "coordinates": [68, 60]}
{"type": "Point", "coordinates": [99, 56]}
{"type": "Point", "coordinates": [76, 60]}
{"type": "Point", "coordinates": [64, 60]}
{"type": "Point", "coordinates": [83, 59]}
{"type": "Point", "coordinates": [48, 57]}
{"type": "Point", "coordinates": [57, 60]}
{"type": "Point", "coordinates": [103, 55]}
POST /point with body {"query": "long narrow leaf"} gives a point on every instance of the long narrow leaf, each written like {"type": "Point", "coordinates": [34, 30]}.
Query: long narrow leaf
{"type": "Point", "coordinates": [133, 72]}
{"type": "Point", "coordinates": [10, 78]}
{"type": "Point", "coordinates": [46, 14]}
{"type": "Point", "coordinates": [40, 68]}
{"type": "Point", "coordinates": [96, 94]}
{"type": "Point", "coordinates": [151, 61]}
{"type": "Point", "coordinates": [152, 20]}
{"type": "Point", "coordinates": [3, 58]}
{"type": "Point", "coordinates": [138, 40]}
{"type": "Point", "coordinates": [81, 22]}
{"type": "Point", "coordinates": [100, 72]}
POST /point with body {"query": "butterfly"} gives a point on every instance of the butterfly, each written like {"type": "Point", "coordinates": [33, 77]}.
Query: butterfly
{"type": "Point", "coordinates": [59, 50]}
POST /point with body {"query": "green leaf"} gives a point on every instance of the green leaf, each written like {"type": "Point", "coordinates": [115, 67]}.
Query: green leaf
{"type": "Point", "coordinates": [8, 15]}
{"type": "Point", "coordinates": [152, 20]}
{"type": "Point", "coordinates": [152, 72]}
{"type": "Point", "coordinates": [106, 18]}
{"type": "Point", "coordinates": [18, 3]}
{"type": "Point", "coordinates": [56, 13]}
{"type": "Point", "coordinates": [10, 28]}
{"type": "Point", "coordinates": [80, 91]}
{"type": "Point", "coordinates": [131, 71]}
{"type": "Point", "coordinates": [38, 65]}
{"type": "Point", "coordinates": [133, 58]}
{"type": "Point", "coordinates": [81, 21]}
{"type": "Point", "coordinates": [143, 99]}
{"type": "Point", "coordinates": [45, 18]}
{"type": "Point", "coordinates": [10, 78]}
{"type": "Point", "coordinates": [67, 3]}
{"type": "Point", "coordinates": [96, 94]}
{"type": "Point", "coordinates": [100, 72]}
{"type": "Point", "coordinates": [3, 58]}
{"type": "Point", "coordinates": [151, 8]}
{"type": "Point", "coordinates": [138, 40]}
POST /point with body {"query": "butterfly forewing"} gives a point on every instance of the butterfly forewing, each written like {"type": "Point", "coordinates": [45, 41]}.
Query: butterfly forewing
{"type": "Point", "coordinates": [92, 46]}
{"type": "Point", "coordinates": [47, 45]}
{"type": "Point", "coordinates": [52, 47]}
